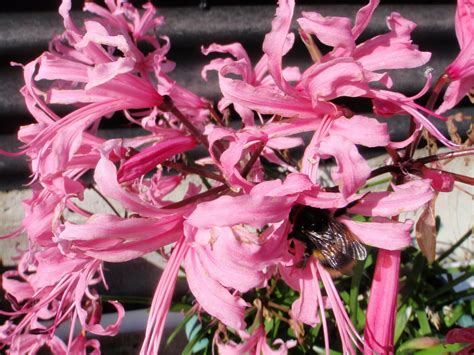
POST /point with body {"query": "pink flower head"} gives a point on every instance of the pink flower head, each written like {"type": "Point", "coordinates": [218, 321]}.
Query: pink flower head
{"type": "Point", "coordinates": [460, 72]}
{"type": "Point", "coordinates": [54, 288]}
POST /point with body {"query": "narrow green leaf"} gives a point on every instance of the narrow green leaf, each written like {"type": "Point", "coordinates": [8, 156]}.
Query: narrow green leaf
{"type": "Point", "coordinates": [419, 343]}
{"type": "Point", "coordinates": [454, 316]}
{"type": "Point", "coordinates": [344, 296]}
{"type": "Point", "coordinates": [455, 246]}
{"type": "Point", "coordinates": [319, 350]}
{"type": "Point", "coordinates": [425, 328]}
{"type": "Point", "coordinates": [360, 319]}
{"type": "Point", "coordinates": [403, 315]}
{"type": "Point", "coordinates": [450, 285]}
{"type": "Point", "coordinates": [276, 327]}
{"type": "Point", "coordinates": [188, 350]}
{"type": "Point", "coordinates": [268, 324]}
{"type": "Point", "coordinates": [178, 329]}
{"type": "Point", "coordinates": [180, 307]}
{"type": "Point", "coordinates": [354, 293]}
{"type": "Point", "coordinates": [441, 349]}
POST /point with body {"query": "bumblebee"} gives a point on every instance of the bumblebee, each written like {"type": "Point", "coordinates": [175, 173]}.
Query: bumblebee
{"type": "Point", "coordinates": [328, 240]}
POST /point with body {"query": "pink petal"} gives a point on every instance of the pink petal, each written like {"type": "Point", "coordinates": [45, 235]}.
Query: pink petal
{"type": "Point", "coordinates": [335, 78]}
{"type": "Point", "coordinates": [106, 178]}
{"type": "Point", "coordinates": [253, 210]}
{"type": "Point", "coordinates": [440, 180]}
{"type": "Point", "coordinates": [362, 130]}
{"type": "Point", "coordinates": [325, 200]}
{"type": "Point", "coordinates": [333, 31]}
{"type": "Point", "coordinates": [104, 72]}
{"type": "Point", "coordinates": [392, 50]}
{"type": "Point", "coordinates": [352, 170]}
{"type": "Point", "coordinates": [150, 157]}
{"type": "Point", "coordinates": [407, 197]}
{"type": "Point", "coordinates": [295, 183]}
{"type": "Point", "coordinates": [382, 233]}
{"type": "Point", "coordinates": [55, 68]}
{"type": "Point", "coordinates": [266, 100]}
{"type": "Point", "coordinates": [110, 238]}
{"type": "Point", "coordinates": [363, 17]}
{"type": "Point", "coordinates": [305, 308]}
{"type": "Point", "coordinates": [382, 308]}
{"type": "Point", "coordinates": [278, 41]}
{"type": "Point", "coordinates": [211, 295]}
{"type": "Point", "coordinates": [234, 49]}
{"type": "Point", "coordinates": [162, 300]}
{"type": "Point", "coordinates": [227, 253]}
{"type": "Point", "coordinates": [82, 314]}
{"type": "Point", "coordinates": [457, 89]}
{"type": "Point", "coordinates": [20, 290]}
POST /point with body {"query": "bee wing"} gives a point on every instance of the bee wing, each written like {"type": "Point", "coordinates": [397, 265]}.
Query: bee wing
{"type": "Point", "coordinates": [335, 243]}
{"type": "Point", "coordinates": [348, 242]}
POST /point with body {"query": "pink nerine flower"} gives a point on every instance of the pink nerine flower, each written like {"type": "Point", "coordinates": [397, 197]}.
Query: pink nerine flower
{"type": "Point", "coordinates": [231, 230]}
{"type": "Point", "coordinates": [461, 71]}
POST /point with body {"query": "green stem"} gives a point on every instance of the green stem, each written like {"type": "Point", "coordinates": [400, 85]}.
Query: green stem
{"type": "Point", "coordinates": [454, 246]}
{"type": "Point", "coordinates": [450, 285]}
{"type": "Point", "coordinates": [354, 293]}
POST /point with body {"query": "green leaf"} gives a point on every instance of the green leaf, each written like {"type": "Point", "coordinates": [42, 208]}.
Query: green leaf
{"type": "Point", "coordinates": [319, 350]}
{"type": "Point", "coordinates": [354, 293]}
{"type": "Point", "coordinates": [452, 317]}
{"type": "Point", "coordinates": [276, 327]}
{"type": "Point", "coordinates": [268, 324]}
{"type": "Point", "coordinates": [192, 327]}
{"type": "Point", "coordinates": [419, 343]}
{"type": "Point", "coordinates": [178, 329]}
{"type": "Point", "coordinates": [441, 349]}
{"type": "Point", "coordinates": [180, 307]}
{"type": "Point", "coordinates": [344, 296]}
{"type": "Point", "coordinates": [188, 350]}
{"type": "Point", "coordinates": [403, 315]}
{"type": "Point", "coordinates": [425, 328]}
{"type": "Point", "coordinates": [454, 246]}
{"type": "Point", "coordinates": [448, 287]}
{"type": "Point", "coordinates": [378, 182]}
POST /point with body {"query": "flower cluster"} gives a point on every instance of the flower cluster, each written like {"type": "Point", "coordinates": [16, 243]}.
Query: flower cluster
{"type": "Point", "coordinates": [231, 231]}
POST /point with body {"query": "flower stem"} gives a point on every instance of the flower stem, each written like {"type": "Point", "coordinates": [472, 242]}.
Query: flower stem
{"type": "Point", "coordinates": [442, 80]}
{"type": "Point", "coordinates": [211, 192]}
{"type": "Point", "coordinates": [106, 201]}
{"type": "Point", "coordinates": [168, 106]}
{"type": "Point", "coordinates": [443, 156]}
{"type": "Point", "coordinates": [193, 170]}
{"type": "Point", "coordinates": [253, 159]}
{"type": "Point", "coordinates": [277, 306]}
{"type": "Point", "coordinates": [215, 116]}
